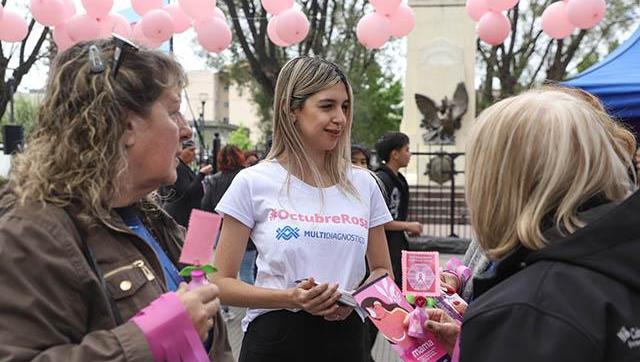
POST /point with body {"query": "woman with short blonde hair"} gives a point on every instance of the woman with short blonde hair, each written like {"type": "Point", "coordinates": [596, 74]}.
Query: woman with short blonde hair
{"type": "Point", "coordinates": [549, 188]}
{"type": "Point", "coordinates": [535, 159]}
{"type": "Point", "coordinates": [312, 217]}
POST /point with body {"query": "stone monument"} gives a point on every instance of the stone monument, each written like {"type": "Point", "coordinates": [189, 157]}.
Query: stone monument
{"type": "Point", "coordinates": [439, 92]}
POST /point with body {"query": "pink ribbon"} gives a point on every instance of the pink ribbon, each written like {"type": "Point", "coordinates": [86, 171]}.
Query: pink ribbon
{"type": "Point", "coordinates": [169, 331]}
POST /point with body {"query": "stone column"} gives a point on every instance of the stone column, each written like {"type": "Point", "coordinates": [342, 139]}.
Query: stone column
{"type": "Point", "coordinates": [441, 52]}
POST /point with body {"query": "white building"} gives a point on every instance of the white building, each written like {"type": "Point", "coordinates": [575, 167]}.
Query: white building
{"type": "Point", "coordinates": [213, 100]}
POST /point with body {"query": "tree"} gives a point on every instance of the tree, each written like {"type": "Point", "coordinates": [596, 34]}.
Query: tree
{"type": "Point", "coordinates": [25, 114]}
{"type": "Point", "coordinates": [26, 54]}
{"type": "Point", "coordinates": [529, 56]}
{"type": "Point", "coordinates": [377, 106]}
{"type": "Point", "coordinates": [240, 138]}
{"type": "Point", "coordinates": [256, 61]}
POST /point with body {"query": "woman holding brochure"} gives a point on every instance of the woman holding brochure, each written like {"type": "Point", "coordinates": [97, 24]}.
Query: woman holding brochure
{"type": "Point", "coordinates": [313, 219]}
{"type": "Point", "coordinates": [88, 261]}
{"type": "Point", "coordinates": [550, 185]}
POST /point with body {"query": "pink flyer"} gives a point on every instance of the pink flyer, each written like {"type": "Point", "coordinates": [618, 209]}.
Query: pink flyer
{"type": "Point", "coordinates": [387, 308]}
{"type": "Point", "coordinates": [420, 273]}
{"type": "Point", "coordinates": [201, 234]}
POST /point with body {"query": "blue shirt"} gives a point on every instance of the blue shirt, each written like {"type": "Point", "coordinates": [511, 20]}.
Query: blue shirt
{"type": "Point", "coordinates": [171, 276]}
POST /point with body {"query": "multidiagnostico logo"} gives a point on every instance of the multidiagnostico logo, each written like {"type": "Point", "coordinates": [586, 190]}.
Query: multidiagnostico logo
{"type": "Point", "coordinates": [287, 233]}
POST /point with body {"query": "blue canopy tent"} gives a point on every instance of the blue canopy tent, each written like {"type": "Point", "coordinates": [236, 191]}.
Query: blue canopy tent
{"type": "Point", "coordinates": [616, 81]}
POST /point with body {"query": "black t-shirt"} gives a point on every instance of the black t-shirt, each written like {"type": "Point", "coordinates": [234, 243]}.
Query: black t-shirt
{"type": "Point", "coordinates": [397, 190]}
{"type": "Point", "coordinates": [183, 196]}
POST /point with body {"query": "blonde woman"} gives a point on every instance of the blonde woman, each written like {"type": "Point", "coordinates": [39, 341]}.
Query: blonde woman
{"type": "Point", "coordinates": [313, 219]}
{"type": "Point", "coordinates": [83, 249]}
{"type": "Point", "coordinates": [549, 181]}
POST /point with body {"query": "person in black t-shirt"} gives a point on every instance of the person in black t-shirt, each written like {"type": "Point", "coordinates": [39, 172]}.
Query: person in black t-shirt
{"type": "Point", "coordinates": [393, 150]}
{"type": "Point", "coordinates": [186, 193]}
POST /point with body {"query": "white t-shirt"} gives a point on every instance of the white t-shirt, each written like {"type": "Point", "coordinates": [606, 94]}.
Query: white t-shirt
{"type": "Point", "coordinates": [299, 233]}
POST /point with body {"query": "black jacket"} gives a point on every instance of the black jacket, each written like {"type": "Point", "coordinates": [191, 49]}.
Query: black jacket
{"type": "Point", "coordinates": [185, 195]}
{"type": "Point", "coordinates": [215, 187]}
{"type": "Point", "coordinates": [576, 300]}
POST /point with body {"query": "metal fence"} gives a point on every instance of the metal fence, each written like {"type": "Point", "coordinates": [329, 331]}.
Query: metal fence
{"type": "Point", "coordinates": [437, 196]}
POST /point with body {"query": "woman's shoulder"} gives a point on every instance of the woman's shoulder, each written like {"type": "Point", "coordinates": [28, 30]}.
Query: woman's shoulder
{"type": "Point", "coordinates": [362, 179]}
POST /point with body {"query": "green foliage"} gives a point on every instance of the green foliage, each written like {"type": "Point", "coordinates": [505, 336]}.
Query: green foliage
{"type": "Point", "coordinates": [25, 114]}
{"type": "Point", "coordinates": [586, 62]}
{"type": "Point", "coordinates": [240, 138]}
{"type": "Point", "coordinates": [378, 105]}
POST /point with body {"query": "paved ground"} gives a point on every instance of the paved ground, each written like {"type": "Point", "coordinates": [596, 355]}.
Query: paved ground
{"type": "Point", "coordinates": [381, 350]}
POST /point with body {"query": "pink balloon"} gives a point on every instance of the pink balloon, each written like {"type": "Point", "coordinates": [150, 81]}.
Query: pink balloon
{"type": "Point", "coordinates": [48, 12]}
{"type": "Point", "coordinates": [555, 21]}
{"type": "Point", "coordinates": [385, 7]}
{"type": "Point", "coordinates": [141, 7]}
{"type": "Point", "coordinates": [69, 9]}
{"type": "Point", "coordinates": [477, 8]}
{"type": "Point", "coordinates": [1, 11]}
{"type": "Point", "coordinates": [197, 24]}
{"type": "Point", "coordinates": [139, 37]}
{"type": "Point", "coordinates": [585, 14]}
{"type": "Point", "coordinates": [214, 35]}
{"type": "Point", "coordinates": [292, 26]}
{"type": "Point", "coordinates": [61, 37]}
{"type": "Point", "coordinates": [402, 21]}
{"type": "Point", "coordinates": [219, 14]}
{"type": "Point", "coordinates": [181, 22]}
{"type": "Point", "coordinates": [83, 28]}
{"type": "Point", "coordinates": [273, 34]}
{"type": "Point", "coordinates": [104, 27]}
{"type": "Point", "coordinates": [501, 5]}
{"type": "Point", "coordinates": [98, 8]}
{"type": "Point", "coordinates": [13, 28]}
{"type": "Point", "coordinates": [198, 9]}
{"type": "Point", "coordinates": [373, 30]}
{"type": "Point", "coordinates": [157, 25]}
{"type": "Point", "coordinates": [494, 28]}
{"type": "Point", "coordinates": [115, 23]}
{"type": "Point", "coordinates": [275, 7]}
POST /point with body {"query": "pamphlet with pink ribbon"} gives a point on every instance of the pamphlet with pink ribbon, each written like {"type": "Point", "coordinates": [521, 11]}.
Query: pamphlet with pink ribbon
{"type": "Point", "coordinates": [421, 273]}
{"type": "Point", "coordinates": [387, 308]}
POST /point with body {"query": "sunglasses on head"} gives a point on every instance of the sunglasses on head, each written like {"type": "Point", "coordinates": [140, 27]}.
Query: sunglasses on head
{"type": "Point", "coordinates": [123, 47]}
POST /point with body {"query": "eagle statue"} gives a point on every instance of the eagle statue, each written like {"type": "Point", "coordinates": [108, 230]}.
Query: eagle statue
{"type": "Point", "coordinates": [440, 122]}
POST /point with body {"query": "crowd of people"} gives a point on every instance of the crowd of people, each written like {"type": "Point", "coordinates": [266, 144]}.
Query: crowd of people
{"type": "Point", "coordinates": [92, 223]}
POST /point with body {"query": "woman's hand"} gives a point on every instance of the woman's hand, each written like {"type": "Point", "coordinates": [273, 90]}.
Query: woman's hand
{"type": "Point", "coordinates": [450, 281]}
{"type": "Point", "coordinates": [414, 228]}
{"type": "Point", "coordinates": [444, 327]}
{"type": "Point", "coordinates": [202, 305]}
{"type": "Point", "coordinates": [341, 314]}
{"type": "Point", "coordinates": [317, 299]}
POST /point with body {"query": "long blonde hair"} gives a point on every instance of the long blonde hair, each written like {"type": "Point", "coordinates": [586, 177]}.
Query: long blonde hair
{"type": "Point", "coordinates": [298, 80]}
{"type": "Point", "coordinates": [75, 154]}
{"type": "Point", "coordinates": [542, 154]}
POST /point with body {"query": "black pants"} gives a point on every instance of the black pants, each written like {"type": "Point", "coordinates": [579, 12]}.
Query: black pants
{"type": "Point", "coordinates": [283, 336]}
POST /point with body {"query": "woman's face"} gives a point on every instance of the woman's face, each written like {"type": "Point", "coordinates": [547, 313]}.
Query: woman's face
{"type": "Point", "coordinates": [359, 159]}
{"type": "Point", "coordinates": [323, 118]}
{"type": "Point", "coordinates": [154, 143]}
